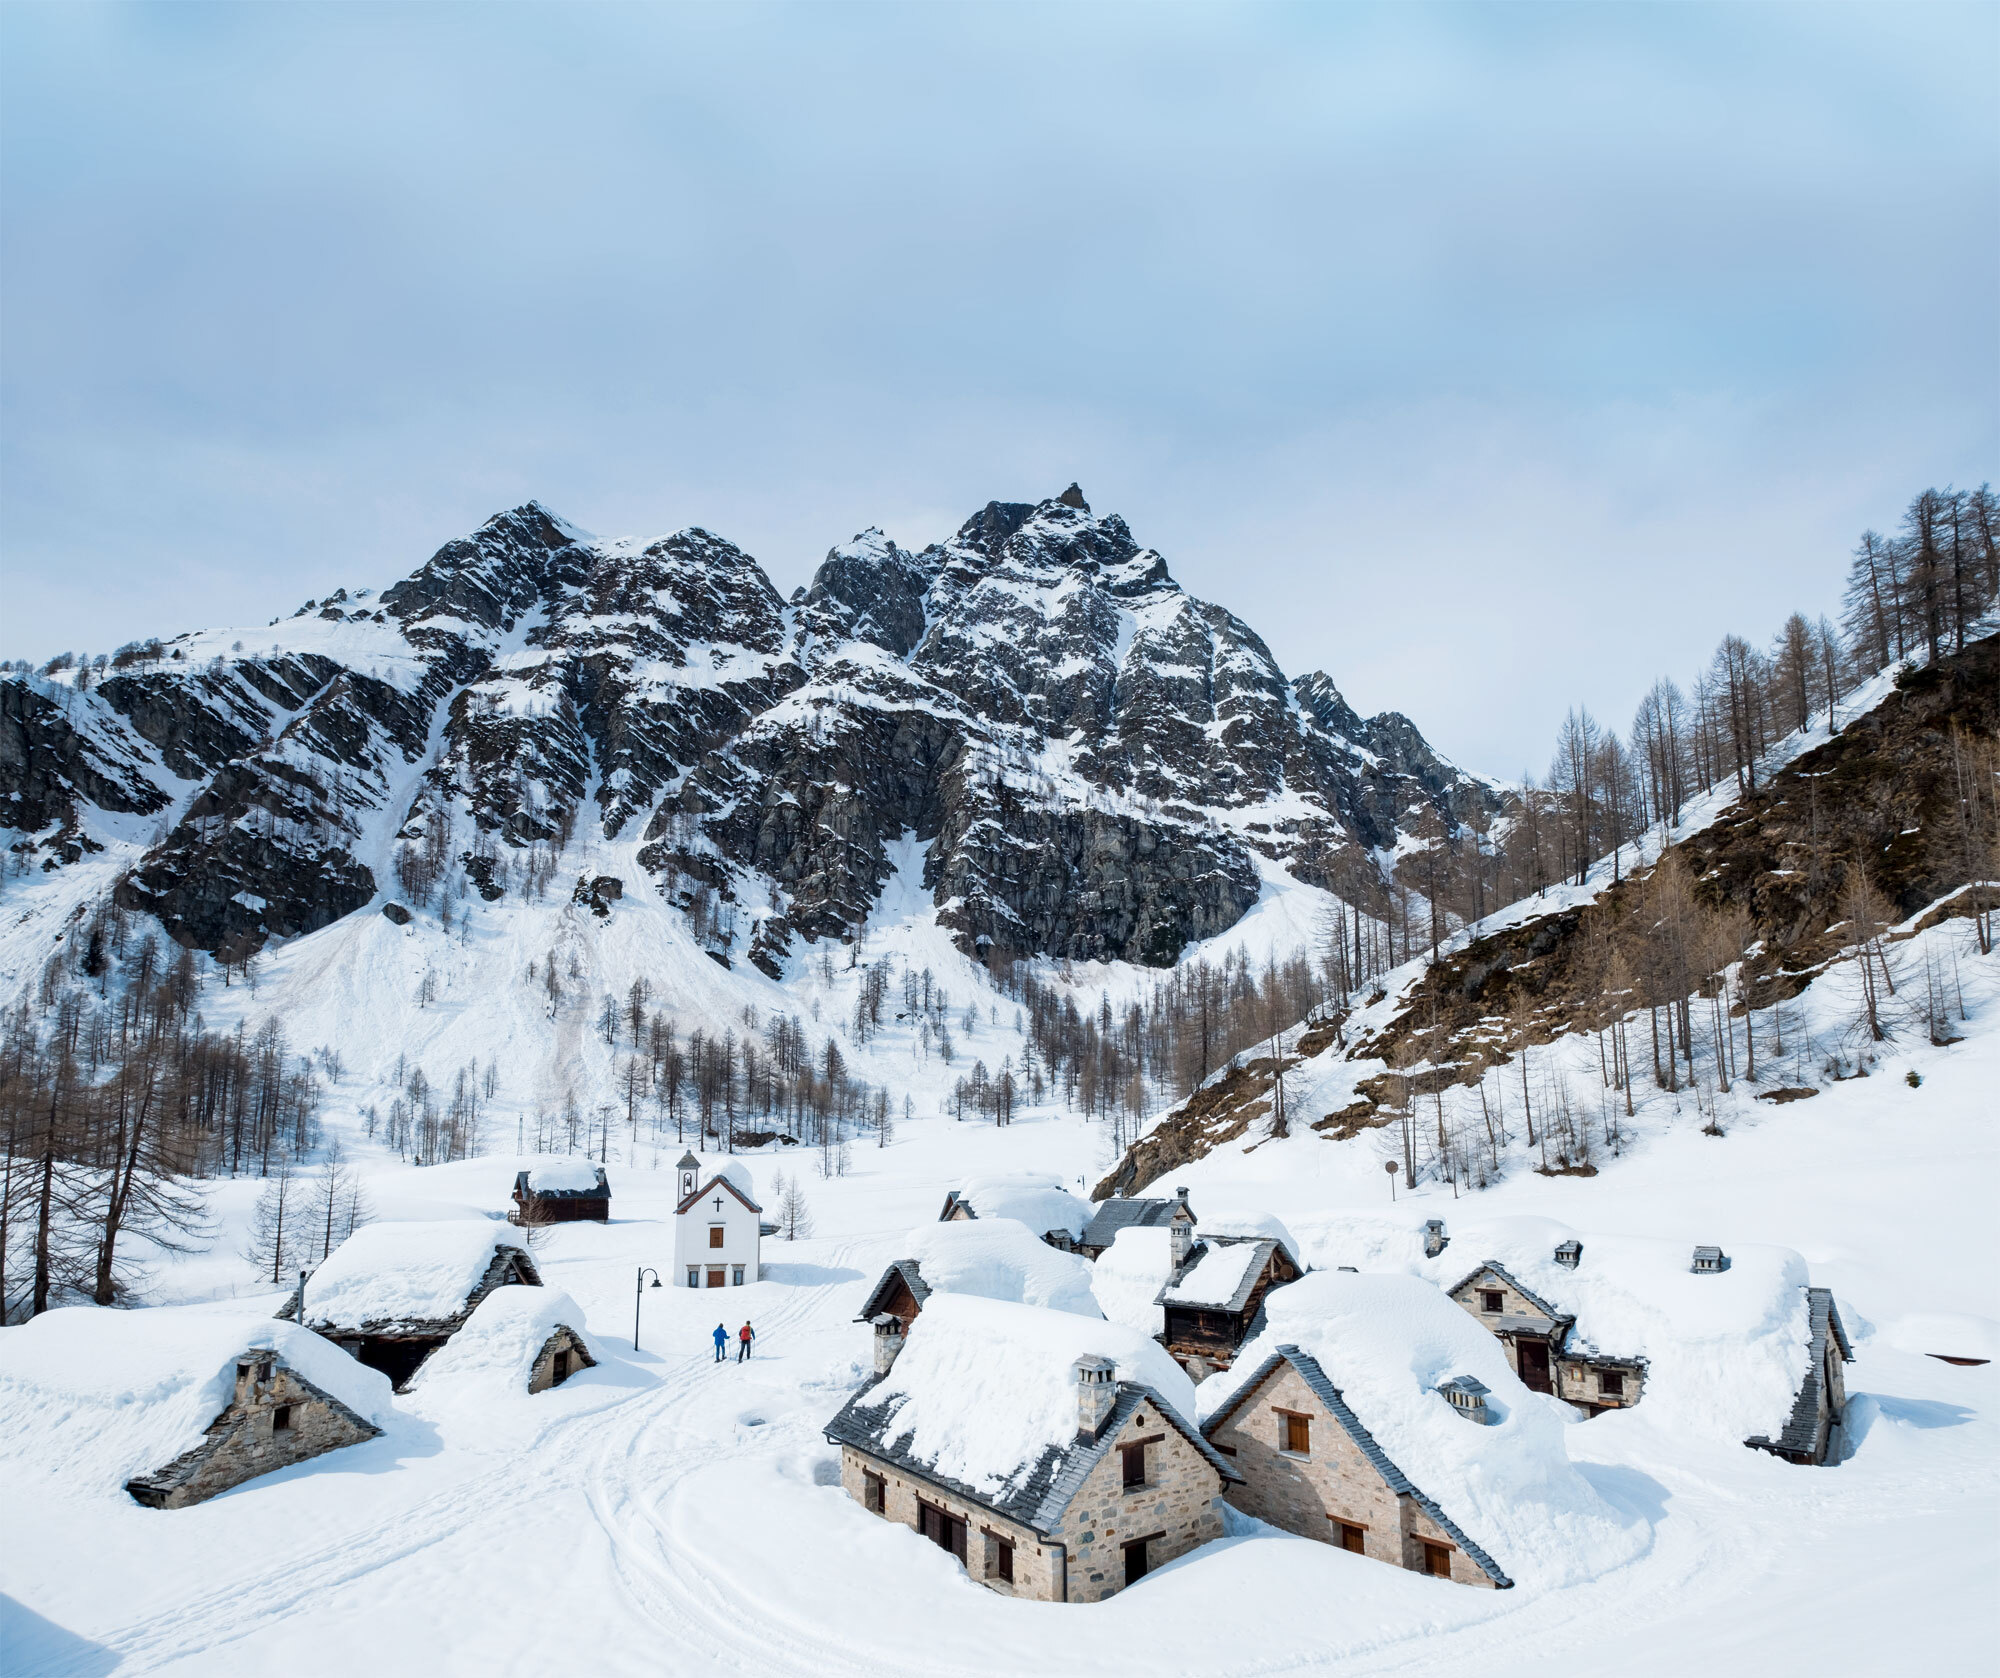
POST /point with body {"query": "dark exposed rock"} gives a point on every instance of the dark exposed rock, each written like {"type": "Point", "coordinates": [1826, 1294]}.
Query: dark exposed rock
{"type": "Point", "coordinates": [396, 914]}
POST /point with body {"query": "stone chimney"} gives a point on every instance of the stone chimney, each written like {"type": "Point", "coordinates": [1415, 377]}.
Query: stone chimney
{"type": "Point", "coordinates": [1467, 1396]}
{"type": "Point", "coordinates": [1569, 1254]}
{"type": "Point", "coordinates": [888, 1341]}
{"type": "Point", "coordinates": [1096, 1392]}
{"type": "Point", "coordinates": [1180, 1240]}
{"type": "Point", "coordinates": [1709, 1261]}
{"type": "Point", "coordinates": [1435, 1239]}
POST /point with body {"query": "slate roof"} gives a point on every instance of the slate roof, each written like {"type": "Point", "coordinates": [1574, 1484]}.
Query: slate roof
{"type": "Point", "coordinates": [1393, 1477]}
{"type": "Point", "coordinates": [1529, 1294]}
{"type": "Point", "coordinates": [912, 1278]}
{"type": "Point", "coordinates": [1037, 1493]}
{"type": "Point", "coordinates": [1805, 1431]}
{"type": "Point", "coordinates": [1121, 1212]}
{"type": "Point", "coordinates": [1245, 1286]}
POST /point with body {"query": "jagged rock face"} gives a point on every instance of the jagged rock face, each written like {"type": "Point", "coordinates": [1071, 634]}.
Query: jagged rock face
{"type": "Point", "coordinates": [1095, 758]}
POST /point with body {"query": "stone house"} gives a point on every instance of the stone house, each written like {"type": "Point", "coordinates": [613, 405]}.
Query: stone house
{"type": "Point", "coordinates": [392, 1293]}
{"type": "Point", "coordinates": [1307, 1464]}
{"type": "Point", "coordinates": [561, 1191]}
{"type": "Point", "coordinates": [518, 1339]}
{"type": "Point", "coordinates": [1120, 1212]}
{"type": "Point", "coordinates": [275, 1417]}
{"type": "Point", "coordinates": [1119, 1482]}
{"type": "Point", "coordinates": [719, 1228]}
{"type": "Point", "coordinates": [1812, 1432]}
{"type": "Point", "coordinates": [1214, 1300]}
{"type": "Point", "coordinates": [1046, 1207]}
{"type": "Point", "coordinates": [1540, 1344]}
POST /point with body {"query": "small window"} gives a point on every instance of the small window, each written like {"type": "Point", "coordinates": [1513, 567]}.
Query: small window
{"type": "Point", "coordinates": [1003, 1560]}
{"type": "Point", "coordinates": [715, 1234]}
{"type": "Point", "coordinates": [281, 1419]}
{"type": "Point", "coordinates": [1491, 1301]}
{"type": "Point", "coordinates": [874, 1492]}
{"type": "Point", "coordinates": [1437, 1559]}
{"type": "Point", "coordinates": [1348, 1535]}
{"type": "Point", "coordinates": [1611, 1383]}
{"type": "Point", "coordinates": [736, 1276]}
{"type": "Point", "coordinates": [1298, 1433]}
{"type": "Point", "coordinates": [1135, 1465]}
{"type": "Point", "coordinates": [694, 1276]}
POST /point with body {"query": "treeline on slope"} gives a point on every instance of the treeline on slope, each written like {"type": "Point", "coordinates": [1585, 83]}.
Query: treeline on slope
{"type": "Point", "coordinates": [1914, 595]}
{"type": "Point", "coordinates": [1679, 974]}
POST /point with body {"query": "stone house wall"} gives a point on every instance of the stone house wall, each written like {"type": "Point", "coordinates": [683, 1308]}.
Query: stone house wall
{"type": "Point", "coordinates": [543, 1375]}
{"type": "Point", "coordinates": [1179, 1508]}
{"type": "Point", "coordinates": [1038, 1565]}
{"type": "Point", "coordinates": [1333, 1481]}
{"type": "Point", "coordinates": [243, 1441]}
{"type": "Point", "coordinates": [1512, 1302]}
{"type": "Point", "coordinates": [1577, 1382]}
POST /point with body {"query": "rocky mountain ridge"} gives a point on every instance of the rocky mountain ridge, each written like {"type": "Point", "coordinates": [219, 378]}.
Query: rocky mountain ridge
{"type": "Point", "coordinates": [1103, 765]}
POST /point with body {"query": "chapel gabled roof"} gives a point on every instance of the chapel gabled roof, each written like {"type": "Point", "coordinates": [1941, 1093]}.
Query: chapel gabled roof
{"type": "Point", "coordinates": [718, 1180]}
{"type": "Point", "coordinates": [906, 1270]}
{"type": "Point", "coordinates": [1037, 1493]}
{"type": "Point", "coordinates": [1322, 1388]}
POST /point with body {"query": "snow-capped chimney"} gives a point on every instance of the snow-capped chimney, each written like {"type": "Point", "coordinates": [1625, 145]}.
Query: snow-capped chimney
{"type": "Point", "coordinates": [888, 1341]}
{"type": "Point", "coordinates": [1570, 1254]}
{"type": "Point", "coordinates": [1096, 1391]}
{"type": "Point", "coordinates": [1467, 1396]}
{"type": "Point", "coordinates": [1435, 1239]}
{"type": "Point", "coordinates": [1709, 1261]}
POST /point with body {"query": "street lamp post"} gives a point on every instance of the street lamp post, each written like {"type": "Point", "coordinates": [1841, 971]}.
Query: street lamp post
{"type": "Point", "coordinates": [638, 1294]}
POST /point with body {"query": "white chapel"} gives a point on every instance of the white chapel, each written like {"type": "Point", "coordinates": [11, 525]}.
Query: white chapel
{"type": "Point", "coordinates": [719, 1228]}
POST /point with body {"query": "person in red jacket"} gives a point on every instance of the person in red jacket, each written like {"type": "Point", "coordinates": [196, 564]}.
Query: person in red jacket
{"type": "Point", "coordinates": [744, 1336]}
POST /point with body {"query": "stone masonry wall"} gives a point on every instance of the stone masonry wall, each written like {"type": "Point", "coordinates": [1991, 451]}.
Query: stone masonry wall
{"type": "Point", "coordinates": [1181, 1499]}
{"type": "Point", "coordinates": [242, 1442]}
{"type": "Point", "coordinates": [1037, 1565]}
{"type": "Point", "coordinates": [1333, 1481]}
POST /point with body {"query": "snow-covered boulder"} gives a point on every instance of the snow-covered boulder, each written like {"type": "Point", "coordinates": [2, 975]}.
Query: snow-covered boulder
{"type": "Point", "coordinates": [505, 1343]}
{"type": "Point", "coordinates": [93, 1397]}
{"type": "Point", "coordinates": [1387, 1344]}
{"type": "Point", "coordinates": [412, 1276]}
{"type": "Point", "coordinates": [998, 1258]}
{"type": "Point", "coordinates": [1128, 1276]}
{"type": "Point", "coordinates": [1040, 1202]}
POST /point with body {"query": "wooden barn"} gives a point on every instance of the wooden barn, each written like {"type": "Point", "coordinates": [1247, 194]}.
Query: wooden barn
{"type": "Point", "coordinates": [392, 1293]}
{"type": "Point", "coordinates": [561, 1191]}
{"type": "Point", "coordinates": [1214, 1301]}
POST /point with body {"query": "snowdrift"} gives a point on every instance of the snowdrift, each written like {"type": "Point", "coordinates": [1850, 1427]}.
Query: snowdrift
{"type": "Point", "coordinates": [1128, 1276]}
{"type": "Point", "coordinates": [94, 1396]}
{"type": "Point", "coordinates": [983, 1388]}
{"type": "Point", "coordinates": [1249, 1226]}
{"type": "Point", "coordinates": [997, 1258]}
{"type": "Point", "coordinates": [1386, 1342]}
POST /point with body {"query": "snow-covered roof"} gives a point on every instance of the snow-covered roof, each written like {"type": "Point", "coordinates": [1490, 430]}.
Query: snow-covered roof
{"type": "Point", "coordinates": [1385, 1345]}
{"type": "Point", "coordinates": [565, 1174]}
{"type": "Point", "coordinates": [1128, 1276]}
{"type": "Point", "coordinates": [502, 1339]}
{"type": "Point", "coordinates": [1037, 1201]}
{"type": "Point", "coordinates": [998, 1258]}
{"type": "Point", "coordinates": [96, 1396]}
{"type": "Point", "coordinates": [394, 1273]}
{"type": "Point", "coordinates": [1248, 1226]}
{"type": "Point", "coordinates": [984, 1398]}
{"type": "Point", "coordinates": [1219, 1275]}
{"type": "Point", "coordinates": [1725, 1353]}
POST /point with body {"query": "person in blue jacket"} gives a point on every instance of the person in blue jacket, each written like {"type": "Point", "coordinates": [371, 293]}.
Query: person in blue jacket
{"type": "Point", "coordinates": [721, 1340]}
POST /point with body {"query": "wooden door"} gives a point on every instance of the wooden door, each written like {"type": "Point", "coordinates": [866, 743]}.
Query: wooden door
{"type": "Point", "coordinates": [715, 1277]}
{"type": "Point", "coordinates": [1534, 1361]}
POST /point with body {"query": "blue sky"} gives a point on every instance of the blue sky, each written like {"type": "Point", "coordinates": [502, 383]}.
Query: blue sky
{"type": "Point", "coordinates": [1491, 358]}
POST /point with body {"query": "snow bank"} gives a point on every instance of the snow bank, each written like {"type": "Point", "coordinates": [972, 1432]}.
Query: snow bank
{"type": "Point", "coordinates": [1725, 1353]}
{"type": "Point", "coordinates": [1217, 1274]}
{"type": "Point", "coordinates": [564, 1174]}
{"type": "Point", "coordinates": [983, 1388]}
{"type": "Point", "coordinates": [501, 1340]}
{"type": "Point", "coordinates": [1036, 1201]}
{"type": "Point", "coordinates": [95, 1396]}
{"type": "Point", "coordinates": [404, 1272]}
{"type": "Point", "coordinates": [997, 1258]}
{"type": "Point", "coordinates": [1250, 1226]}
{"type": "Point", "coordinates": [1386, 1342]}
{"type": "Point", "coordinates": [1128, 1276]}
